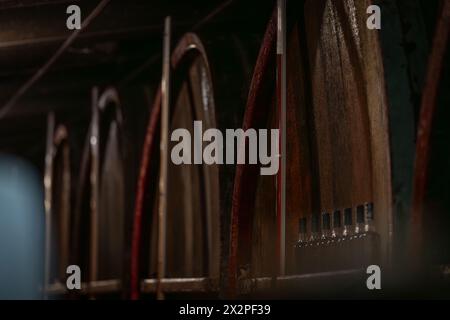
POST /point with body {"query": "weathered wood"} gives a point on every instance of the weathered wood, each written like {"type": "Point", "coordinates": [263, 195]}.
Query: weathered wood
{"type": "Point", "coordinates": [57, 203]}
{"type": "Point", "coordinates": [193, 215]}
{"type": "Point", "coordinates": [338, 146]}
{"type": "Point", "coordinates": [349, 128]}
{"type": "Point", "coordinates": [100, 207]}
{"type": "Point", "coordinates": [259, 102]}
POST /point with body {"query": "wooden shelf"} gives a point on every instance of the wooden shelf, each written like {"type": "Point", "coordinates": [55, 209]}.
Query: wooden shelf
{"type": "Point", "coordinates": [171, 285]}
{"type": "Point", "coordinates": [95, 287]}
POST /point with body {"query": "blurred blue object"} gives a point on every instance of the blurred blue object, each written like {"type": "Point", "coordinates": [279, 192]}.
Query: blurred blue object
{"type": "Point", "coordinates": [21, 229]}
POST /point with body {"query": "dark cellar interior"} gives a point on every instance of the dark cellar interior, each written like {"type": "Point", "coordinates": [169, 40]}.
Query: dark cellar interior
{"type": "Point", "coordinates": [356, 109]}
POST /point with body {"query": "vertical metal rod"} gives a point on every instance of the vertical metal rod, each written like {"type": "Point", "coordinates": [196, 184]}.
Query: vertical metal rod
{"type": "Point", "coordinates": [48, 199]}
{"type": "Point", "coordinates": [94, 175]}
{"type": "Point", "coordinates": [281, 101]}
{"type": "Point", "coordinates": [162, 209]}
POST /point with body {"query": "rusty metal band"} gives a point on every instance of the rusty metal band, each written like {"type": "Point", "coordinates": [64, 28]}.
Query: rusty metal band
{"type": "Point", "coordinates": [189, 43]}
{"type": "Point", "coordinates": [258, 103]}
{"type": "Point", "coordinates": [427, 115]}
{"type": "Point", "coordinates": [147, 152]}
{"type": "Point", "coordinates": [189, 47]}
{"type": "Point", "coordinates": [281, 104]}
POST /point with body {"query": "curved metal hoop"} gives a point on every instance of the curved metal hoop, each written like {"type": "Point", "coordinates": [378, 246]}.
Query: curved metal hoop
{"type": "Point", "coordinates": [427, 119]}
{"type": "Point", "coordinates": [258, 103]}
{"type": "Point", "coordinates": [361, 163]}
{"type": "Point", "coordinates": [187, 49]}
{"type": "Point", "coordinates": [91, 171]}
{"type": "Point", "coordinates": [57, 143]}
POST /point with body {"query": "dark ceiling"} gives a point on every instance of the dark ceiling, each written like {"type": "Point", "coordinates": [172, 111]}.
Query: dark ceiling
{"type": "Point", "coordinates": [123, 37]}
{"type": "Point", "coordinates": [121, 47]}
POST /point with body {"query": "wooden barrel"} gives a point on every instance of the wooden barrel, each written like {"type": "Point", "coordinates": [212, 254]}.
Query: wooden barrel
{"type": "Point", "coordinates": [405, 39]}
{"type": "Point", "coordinates": [100, 205]}
{"type": "Point", "coordinates": [253, 206]}
{"type": "Point", "coordinates": [204, 88]}
{"type": "Point", "coordinates": [193, 221]}
{"type": "Point", "coordinates": [430, 215]}
{"type": "Point", "coordinates": [343, 147]}
{"type": "Point", "coordinates": [193, 218]}
{"type": "Point", "coordinates": [351, 117]}
{"type": "Point", "coordinates": [57, 183]}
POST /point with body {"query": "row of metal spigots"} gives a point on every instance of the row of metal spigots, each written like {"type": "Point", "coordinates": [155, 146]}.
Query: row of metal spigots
{"type": "Point", "coordinates": [346, 245]}
{"type": "Point", "coordinates": [364, 218]}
